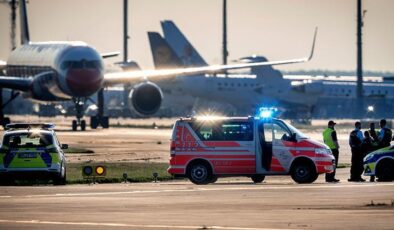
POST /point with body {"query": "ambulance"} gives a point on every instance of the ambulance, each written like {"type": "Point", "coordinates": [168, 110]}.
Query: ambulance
{"type": "Point", "coordinates": [205, 148]}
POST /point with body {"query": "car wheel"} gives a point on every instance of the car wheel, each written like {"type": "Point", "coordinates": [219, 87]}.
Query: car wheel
{"type": "Point", "coordinates": [385, 170]}
{"type": "Point", "coordinates": [258, 178]}
{"type": "Point", "coordinates": [200, 173]}
{"type": "Point", "coordinates": [61, 178]}
{"type": "Point", "coordinates": [303, 172]}
{"type": "Point", "coordinates": [6, 181]}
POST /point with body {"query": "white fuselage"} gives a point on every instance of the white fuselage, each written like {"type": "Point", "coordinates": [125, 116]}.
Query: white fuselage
{"type": "Point", "coordinates": [58, 70]}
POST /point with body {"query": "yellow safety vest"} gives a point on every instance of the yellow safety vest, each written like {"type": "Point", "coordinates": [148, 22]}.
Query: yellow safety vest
{"type": "Point", "coordinates": [327, 137]}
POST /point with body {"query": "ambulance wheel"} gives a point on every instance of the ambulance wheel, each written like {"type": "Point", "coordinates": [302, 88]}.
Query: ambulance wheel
{"type": "Point", "coordinates": [385, 170]}
{"type": "Point", "coordinates": [214, 178]}
{"type": "Point", "coordinates": [258, 178]}
{"type": "Point", "coordinates": [199, 173]}
{"type": "Point", "coordinates": [303, 172]}
{"type": "Point", "coordinates": [61, 178]}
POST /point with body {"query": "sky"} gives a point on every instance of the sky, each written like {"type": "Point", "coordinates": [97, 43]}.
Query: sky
{"type": "Point", "coordinates": [276, 29]}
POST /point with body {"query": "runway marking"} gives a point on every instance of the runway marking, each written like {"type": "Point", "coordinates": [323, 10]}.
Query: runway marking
{"type": "Point", "coordinates": [131, 225]}
{"type": "Point", "coordinates": [90, 194]}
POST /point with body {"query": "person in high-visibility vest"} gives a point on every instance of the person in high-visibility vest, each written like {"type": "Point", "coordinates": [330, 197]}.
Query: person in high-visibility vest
{"type": "Point", "coordinates": [331, 140]}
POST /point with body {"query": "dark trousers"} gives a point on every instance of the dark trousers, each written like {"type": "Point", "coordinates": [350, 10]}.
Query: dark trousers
{"type": "Point", "coordinates": [357, 164]}
{"type": "Point", "coordinates": [331, 176]}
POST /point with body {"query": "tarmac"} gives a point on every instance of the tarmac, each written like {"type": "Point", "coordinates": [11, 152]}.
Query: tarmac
{"type": "Point", "coordinates": [230, 203]}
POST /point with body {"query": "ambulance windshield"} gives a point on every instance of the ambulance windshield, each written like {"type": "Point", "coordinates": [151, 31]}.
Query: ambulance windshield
{"type": "Point", "coordinates": [299, 134]}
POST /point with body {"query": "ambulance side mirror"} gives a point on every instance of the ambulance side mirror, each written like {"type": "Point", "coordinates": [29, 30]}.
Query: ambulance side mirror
{"type": "Point", "coordinates": [64, 146]}
{"type": "Point", "coordinates": [293, 137]}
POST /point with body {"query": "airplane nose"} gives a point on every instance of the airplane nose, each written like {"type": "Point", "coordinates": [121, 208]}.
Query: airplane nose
{"type": "Point", "coordinates": [84, 82]}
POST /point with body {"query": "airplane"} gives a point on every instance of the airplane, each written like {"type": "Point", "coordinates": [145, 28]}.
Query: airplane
{"type": "Point", "coordinates": [247, 92]}
{"type": "Point", "coordinates": [62, 70]}
{"type": "Point", "coordinates": [300, 98]}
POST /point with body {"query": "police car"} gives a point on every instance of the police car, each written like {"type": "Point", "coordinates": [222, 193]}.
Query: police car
{"type": "Point", "coordinates": [205, 148]}
{"type": "Point", "coordinates": [380, 163]}
{"type": "Point", "coordinates": [32, 151]}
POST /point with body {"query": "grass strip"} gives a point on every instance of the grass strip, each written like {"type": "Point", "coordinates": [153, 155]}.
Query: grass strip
{"type": "Point", "coordinates": [136, 172]}
{"type": "Point", "coordinates": [343, 165]}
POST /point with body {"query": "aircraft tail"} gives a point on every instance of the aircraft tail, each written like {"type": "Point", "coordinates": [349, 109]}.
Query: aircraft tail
{"type": "Point", "coordinates": [25, 37]}
{"type": "Point", "coordinates": [181, 46]}
{"type": "Point", "coordinates": [164, 56]}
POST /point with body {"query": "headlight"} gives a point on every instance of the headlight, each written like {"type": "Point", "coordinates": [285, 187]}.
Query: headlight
{"type": "Point", "coordinates": [323, 151]}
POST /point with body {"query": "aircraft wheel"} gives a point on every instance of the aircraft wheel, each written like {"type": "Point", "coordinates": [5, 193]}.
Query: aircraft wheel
{"type": "Point", "coordinates": [6, 121]}
{"type": "Point", "coordinates": [74, 125]}
{"type": "Point", "coordinates": [93, 122]}
{"type": "Point", "coordinates": [83, 125]}
{"type": "Point", "coordinates": [105, 122]}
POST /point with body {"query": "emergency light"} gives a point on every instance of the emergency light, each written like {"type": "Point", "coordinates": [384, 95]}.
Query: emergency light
{"type": "Point", "coordinates": [267, 113]}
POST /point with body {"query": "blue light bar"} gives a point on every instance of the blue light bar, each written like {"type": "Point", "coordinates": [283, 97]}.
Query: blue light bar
{"type": "Point", "coordinates": [30, 126]}
{"type": "Point", "coordinates": [267, 113]}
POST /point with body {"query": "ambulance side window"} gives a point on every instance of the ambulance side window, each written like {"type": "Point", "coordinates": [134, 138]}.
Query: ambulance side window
{"type": "Point", "coordinates": [237, 131]}
{"type": "Point", "coordinates": [280, 132]}
{"type": "Point", "coordinates": [268, 132]}
{"type": "Point", "coordinates": [224, 131]}
{"type": "Point", "coordinates": [205, 130]}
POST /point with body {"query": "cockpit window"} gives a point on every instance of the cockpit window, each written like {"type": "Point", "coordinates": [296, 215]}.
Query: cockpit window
{"type": "Point", "coordinates": [83, 64]}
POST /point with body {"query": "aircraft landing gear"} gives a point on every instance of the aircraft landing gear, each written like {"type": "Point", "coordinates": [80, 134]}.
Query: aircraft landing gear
{"type": "Point", "coordinates": [79, 108]}
{"type": "Point", "coordinates": [100, 119]}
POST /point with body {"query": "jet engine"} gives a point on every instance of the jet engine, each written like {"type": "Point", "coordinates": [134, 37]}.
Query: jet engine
{"type": "Point", "coordinates": [44, 87]}
{"type": "Point", "coordinates": [145, 98]}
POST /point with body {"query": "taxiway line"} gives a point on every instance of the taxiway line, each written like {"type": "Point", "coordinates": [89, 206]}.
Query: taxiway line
{"type": "Point", "coordinates": [42, 222]}
{"type": "Point", "coordinates": [90, 194]}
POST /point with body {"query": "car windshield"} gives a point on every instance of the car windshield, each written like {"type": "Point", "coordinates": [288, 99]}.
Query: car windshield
{"type": "Point", "coordinates": [299, 134]}
{"type": "Point", "coordinates": [27, 140]}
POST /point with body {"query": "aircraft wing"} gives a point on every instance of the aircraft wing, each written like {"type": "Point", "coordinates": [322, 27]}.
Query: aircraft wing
{"type": "Point", "coordinates": [16, 83]}
{"type": "Point", "coordinates": [133, 77]}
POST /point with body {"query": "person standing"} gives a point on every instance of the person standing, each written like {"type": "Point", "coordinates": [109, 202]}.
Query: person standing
{"type": "Point", "coordinates": [372, 132]}
{"type": "Point", "coordinates": [370, 143]}
{"type": "Point", "coordinates": [355, 141]}
{"type": "Point", "coordinates": [331, 140]}
{"type": "Point", "coordinates": [385, 134]}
